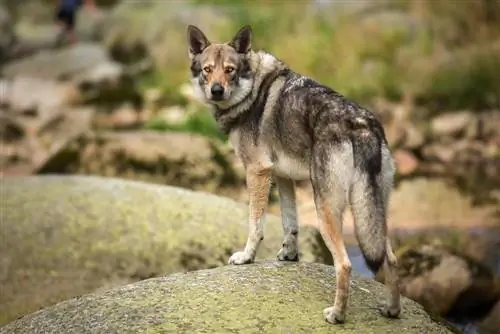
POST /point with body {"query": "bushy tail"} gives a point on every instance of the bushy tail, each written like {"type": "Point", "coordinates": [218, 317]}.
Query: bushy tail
{"type": "Point", "coordinates": [370, 221]}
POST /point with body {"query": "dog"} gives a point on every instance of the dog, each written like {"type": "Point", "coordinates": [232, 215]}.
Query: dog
{"type": "Point", "coordinates": [288, 127]}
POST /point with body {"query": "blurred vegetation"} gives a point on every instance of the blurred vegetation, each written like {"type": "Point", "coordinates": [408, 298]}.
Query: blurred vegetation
{"type": "Point", "coordinates": [439, 55]}
{"type": "Point", "coordinates": [442, 55]}
{"type": "Point", "coordinates": [198, 121]}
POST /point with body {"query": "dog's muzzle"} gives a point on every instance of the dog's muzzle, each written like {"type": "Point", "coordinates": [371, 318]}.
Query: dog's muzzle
{"type": "Point", "coordinates": [217, 92]}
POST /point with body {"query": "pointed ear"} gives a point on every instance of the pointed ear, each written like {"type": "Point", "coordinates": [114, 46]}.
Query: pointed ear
{"type": "Point", "coordinates": [197, 40]}
{"type": "Point", "coordinates": [242, 42]}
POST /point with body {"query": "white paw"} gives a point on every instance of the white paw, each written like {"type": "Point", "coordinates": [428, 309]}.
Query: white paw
{"type": "Point", "coordinates": [288, 254]}
{"type": "Point", "coordinates": [240, 258]}
{"type": "Point", "coordinates": [333, 316]}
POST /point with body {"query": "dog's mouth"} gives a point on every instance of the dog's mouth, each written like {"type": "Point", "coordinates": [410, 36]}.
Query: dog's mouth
{"type": "Point", "coordinates": [217, 98]}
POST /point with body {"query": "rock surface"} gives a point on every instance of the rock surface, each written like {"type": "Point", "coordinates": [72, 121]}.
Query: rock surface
{"type": "Point", "coordinates": [260, 298]}
{"type": "Point", "coordinates": [179, 159]}
{"type": "Point", "coordinates": [67, 236]}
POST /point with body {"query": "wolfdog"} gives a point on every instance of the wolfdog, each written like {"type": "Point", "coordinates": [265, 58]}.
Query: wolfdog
{"type": "Point", "coordinates": [286, 126]}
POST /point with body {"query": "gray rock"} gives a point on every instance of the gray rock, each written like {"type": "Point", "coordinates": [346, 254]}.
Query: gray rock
{"type": "Point", "coordinates": [87, 63]}
{"type": "Point", "coordinates": [260, 298]}
{"type": "Point", "coordinates": [7, 36]}
{"type": "Point", "coordinates": [180, 159]}
{"type": "Point", "coordinates": [451, 124]}
{"type": "Point", "coordinates": [63, 236]}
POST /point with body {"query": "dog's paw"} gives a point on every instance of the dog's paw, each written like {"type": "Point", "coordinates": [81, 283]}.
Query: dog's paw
{"type": "Point", "coordinates": [333, 316]}
{"type": "Point", "coordinates": [390, 311]}
{"type": "Point", "coordinates": [240, 258]}
{"type": "Point", "coordinates": [288, 254]}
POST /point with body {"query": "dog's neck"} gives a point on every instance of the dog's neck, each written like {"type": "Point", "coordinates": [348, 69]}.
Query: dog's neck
{"type": "Point", "coordinates": [266, 69]}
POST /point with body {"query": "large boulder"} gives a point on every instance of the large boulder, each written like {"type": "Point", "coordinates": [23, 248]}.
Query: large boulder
{"type": "Point", "coordinates": [66, 236]}
{"type": "Point", "coordinates": [264, 297]}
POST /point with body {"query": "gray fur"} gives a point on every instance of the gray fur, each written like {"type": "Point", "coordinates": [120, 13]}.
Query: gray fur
{"type": "Point", "coordinates": [287, 126]}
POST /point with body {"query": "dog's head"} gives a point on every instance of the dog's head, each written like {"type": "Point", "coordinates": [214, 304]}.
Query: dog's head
{"type": "Point", "coordinates": [221, 71]}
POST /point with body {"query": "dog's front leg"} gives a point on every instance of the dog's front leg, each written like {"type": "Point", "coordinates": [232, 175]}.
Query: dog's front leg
{"type": "Point", "coordinates": [290, 250]}
{"type": "Point", "coordinates": [258, 184]}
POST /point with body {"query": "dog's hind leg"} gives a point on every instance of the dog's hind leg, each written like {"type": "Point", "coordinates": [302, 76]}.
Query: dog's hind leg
{"type": "Point", "coordinates": [258, 184]}
{"type": "Point", "coordinates": [331, 171]}
{"type": "Point", "coordinates": [286, 188]}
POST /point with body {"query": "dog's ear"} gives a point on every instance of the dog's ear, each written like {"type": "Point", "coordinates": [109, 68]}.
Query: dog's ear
{"type": "Point", "coordinates": [197, 40]}
{"type": "Point", "coordinates": [242, 42]}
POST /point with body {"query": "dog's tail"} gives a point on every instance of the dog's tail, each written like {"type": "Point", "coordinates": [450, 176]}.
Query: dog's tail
{"type": "Point", "coordinates": [368, 203]}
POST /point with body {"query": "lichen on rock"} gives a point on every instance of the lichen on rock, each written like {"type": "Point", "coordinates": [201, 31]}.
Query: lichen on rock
{"type": "Point", "coordinates": [63, 236]}
{"type": "Point", "coordinates": [265, 297]}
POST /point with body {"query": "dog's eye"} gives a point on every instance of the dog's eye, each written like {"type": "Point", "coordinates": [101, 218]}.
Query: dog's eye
{"type": "Point", "coordinates": [229, 70]}
{"type": "Point", "coordinates": [207, 69]}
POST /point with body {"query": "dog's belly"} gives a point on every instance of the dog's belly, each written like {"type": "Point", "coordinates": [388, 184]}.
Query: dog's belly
{"type": "Point", "coordinates": [291, 167]}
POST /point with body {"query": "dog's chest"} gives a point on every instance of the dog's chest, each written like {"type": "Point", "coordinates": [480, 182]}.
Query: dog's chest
{"type": "Point", "coordinates": [288, 166]}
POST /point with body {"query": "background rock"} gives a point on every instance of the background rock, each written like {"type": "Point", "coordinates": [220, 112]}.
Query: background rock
{"type": "Point", "coordinates": [179, 159]}
{"type": "Point", "coordinates": [66, 236]}
{"type": "Point", "coordinates": [264, 297]}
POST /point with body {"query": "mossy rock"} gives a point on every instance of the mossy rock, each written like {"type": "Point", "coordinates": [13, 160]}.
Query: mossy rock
{"type": "Point", "coordinates": [265, 297]}
{"type": "Point", "coordinates": [63, 236]}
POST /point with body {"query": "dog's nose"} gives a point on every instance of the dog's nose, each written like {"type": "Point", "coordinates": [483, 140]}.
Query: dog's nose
{"type": "Point", "coordinates": [217, 91]}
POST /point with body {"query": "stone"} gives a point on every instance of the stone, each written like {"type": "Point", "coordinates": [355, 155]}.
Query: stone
{"type": "Point", "coordinates": [172, 115]}
{"type": "Point", "coordinates": [47, 140]}
{"type": "Point", "coordinates": [70, 61]}
{"type": "Point", "coordinates": [265, 297]}
{"type": "Point", "coordinates": [492, 322]}
{"type": "Point", "coordinates": [441, 152]}
{"type": "Point", "coordinates": [414, 139]}
{"type": "Point", "coordinates": [7, 34]}
{"type": "Point", "coordinates": [63, 236]}
{"type": "Point", "coordinates": [431, 202]}
{"type": "Point", "coordinates": [451, 124]}
{"type": "Point", "coordinates": [446, 281]}
{"type": "Point", "coordinates": [406, 162]}
{"type": "Point", "coordinates": [180, 159]}
{"type": "Point", "coordinates": [46, 97]}
{"type": "Point", "coordinates": [395, 133]}
{"type": "Point", "coordinates": [123, 117]}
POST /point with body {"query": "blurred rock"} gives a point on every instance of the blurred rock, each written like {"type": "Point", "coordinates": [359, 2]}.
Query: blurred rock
{"type": "Point", "coordinates": [428, 203]}
{"type": "Point", "coordinates": [491, 323]}
{"type": "Point", "coordinates": [181, 159]}
{"type": "Point", "coordinates": [172, 115]}
{"type": "Point", "coordinates": [71, 235]}
{"type": "Point", "coordinates": [445, 280]}
{"type": "Point", "coordinates": [406, 162]}
{"type": "Point", "coordinates": [81, 64]}
{"type": "Point", "coordinates": [451, 124]}
{"type": "Point", "coordinates": [42, 97]}
{"type": "Point", "coordinates": [124, 117]}
{"type": "Point", "coordinates": [7, 36]}
{"type": "Point", "coordinates": [395, 133]}
{"type": "Point", "coordinates": [152, 29]}
{"type": "Point", "coordinates": [10, 130]}
{"type": "Point", "coordinates": [441, 152]}
{"type": "Point", "coordinates": [44, 142]}
{"type": "Point", "coordinates": [414, 139]}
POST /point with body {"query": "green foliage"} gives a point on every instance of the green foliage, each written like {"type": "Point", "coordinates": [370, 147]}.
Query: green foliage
{"type": "Point", "coordinates": [199, 121]}
{"type": "Point", "coordinates": [471, 83]}
{"type": "Point", "coordinates": [439, 55]}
